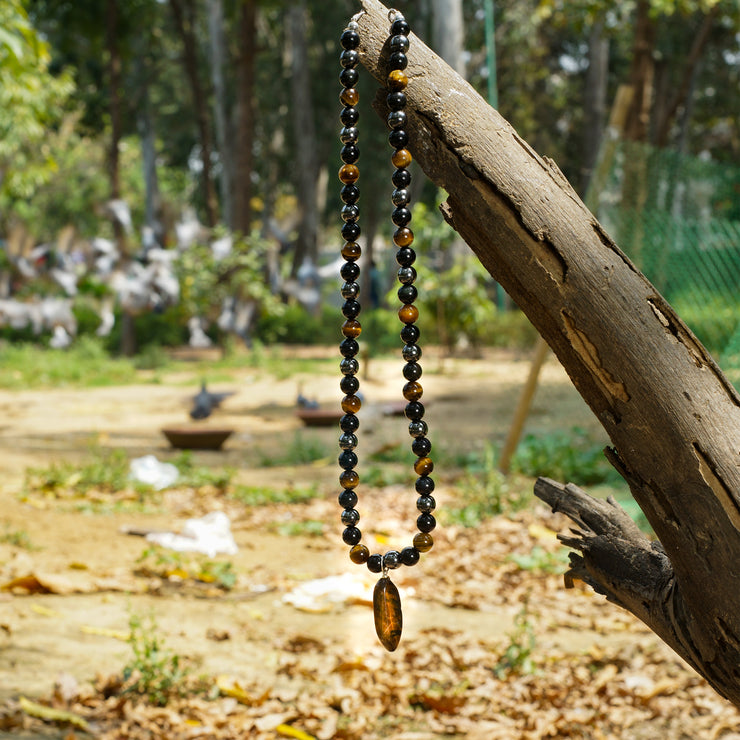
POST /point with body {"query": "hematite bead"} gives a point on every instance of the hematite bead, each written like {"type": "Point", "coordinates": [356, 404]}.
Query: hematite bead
{"type": "Point", "coordinates": [414, 410]}
{"type": "Point", "coordinates": [351, 309]}
{"type": "Point", "coordinates": [375, 563]}
{"type": "Point", "coordinates": [411, 352]}
{"type": "Point", "coordinates": [405, 256]}
{"type": "Point", "coordinates": [426, 523]}
{"type": "Point", "coordinates": [349, 347]}
{"type": "Point", "coordinates": [349, 116]}
{"type": "Point", "coordinates": [413, 392]}
{"type": "Point", "coordinates": [351, 213]}
{"type": "Point", "coordinates": [426, 504]}
{"type": "Point", "coordinates": [410, 334]}
{"type": "Point", "coordinates": [400, 216]}
{"type": "Point", "coordinates": [396, 119]}
{"type": "Point", "coordinates": [351, 535]}
{"type": "Point", "coordinates": [423, 542]}
{"type": "Point", "coordinates": [398, 138]}
{"type": "Point", "coordinates": [359, 554]}
{"type": "Point", "coordinates": [399, 42]}
{"type": "Point", "coordinates": [349, 39]}
{"type": "Point", "coordinates": [392, 559]}
{"type": "Point", "coordinates": [401, 178]}
{"type": "Point", "coordinates": [423, 466]}
{"type": "Point", "coordinates": [351, 153]}
{"type": "Point", "coordinates": [399, 197]}
{"type": "Point", "coordinates": [348, 77]}
{"type": "Point", "coordinates": [407, 294]}
{"type": "Point", "coordinates": [349, 271]}
{"type": "Point", "coordinates": [350, 194]}
{"type": "Point", "coordinates": [349, 58]}
{"type": "Point", "coordinates": [349, 479]}
{"type": "Point", "coordinates": [418, 428]}
{"type": "Point", "coordinates": [410, 556]}
{"type": "Point", "coordinates": [347, 460]}
{"type": "Point", "coordinates": [398, 60]}
{"type": "Point", "coordinates": [411, 371]}
{"type": "Point", "coordinates": [406, 275]}
{"type": "Point", "coordinates": [350, 517]}
{"type": "Point", "coordinates": [421, 446]}
{"type": "Point", "coordinates": [396, 100]}
{"type": "Point", "coordinates": [349, 423]}
{"type": "Point", "coordinates": [347, 499]}
{"type": "Point", "coordinates": [400, 27]}
{"type": "Point", "coordinates": [348, 441]}
{"type": "Point", "coordinates": [349, 135]}
{"type": "Point", "coordinates": [349, 366]}
{"type": "Point", "coordinates": [424, 485]}
{"type": "Point", "coordinates": [350, 290]}
{"type": "Point", "coordinates": [349, 385]}
{"type": "Point", "coordinates": [351, 404]}
{"type": "Point", "coordinates": [351, 231]}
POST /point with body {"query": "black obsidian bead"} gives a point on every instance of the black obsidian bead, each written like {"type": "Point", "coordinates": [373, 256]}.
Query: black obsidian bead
{"type": "Point", "coordinates": [396, 100]}
{"type": "Point", "coordinates": [401, 178]}
{"type": "Point", "coordinates": [412, 371]}
{"type": "Point", "coordinates": [406, 275]}
{"type": "Point", "coordinates": [392, 559]}
{"type": "Point", "coordinates": [350, 517]}
{"type": "Point", "coordinates": [349, 76]}
{"type": "Point", "coordinates": [407, 294]}
{"type": "Point", "coordinates": [405, 256]}
{"type": "Point", "coordinates": [351, 309]}
{"type": "Point", "coordinates": [375, 563]}
{"type": "Point", "coordinates": [397, 60]}
{"type": "Point", "coordinates": [350, 153]}
{"type": "Point", "coordinates": [349, 135]}
{"type": "Point", "coordinates": [396, 119]}
{"type": "Point", "coordinates": [349, 271]}
{"type": "Point", "coordinates": [418, 428]}
{"type": "Point", "coordinates": [414, 410]}
{"type": "Point", "coordinates": [350, 290]}
{"type": "Point", "coordinates": [425, 523]}
{"type": "Point", "coordinates": [350, 194]}
{"type": "Point", "coordinates": [347, 460]}
{"type": "Point", "coordinates": [349, 39]}
{"type": "Point", "coordinates": [399, 42]}
{"type": "Point", "coordinates": [410, 334]}
{"type": "Point", "coordinates": [349, 347]}
{"type": "Point", "coordinates": [349, 58]}
{"type": "Point", "coordinates": [352, 535]}
{"type": "Point", "coordinates": [401, 216]}
{"type": "Point", "coordinates": [424, 485]}
{"type": "Point", "coordinates": [349, 423]}
{"type": "Point", "coordinates": [410, 352]}
{"type": "Point", "coordinates": [400, 197]}
{"type": "Point", "coordinates": [350, 231]}
{"type": "Point", "coordinates": [349, 116]}
{"type": "Point", "coordinates": [398, 138]}
{"type": "Point", "coordinates": [347, 499]}
{"type": "Point", "coordinates": [349, 366]}
{"type": "Point", "coordinates": [426, 504]}
{"type": "Point", "coordinates": [350, 213]}
{"type": "Point", "coordinates": [410, 556]}
{"type": "Point", "coordinates": [421, 446]}
{"type": "Point", "coordinates": [347, 441]}
{"type": "Point", "coordinates": [400, 27]}
{"type": "Point", "coordinates": [349, 385]}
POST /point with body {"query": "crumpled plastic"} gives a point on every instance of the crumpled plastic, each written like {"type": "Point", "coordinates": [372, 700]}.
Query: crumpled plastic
{"type": "Point", "coordinates": [209, 535]}
{"type": "Point", "coordinates": [153, 473]}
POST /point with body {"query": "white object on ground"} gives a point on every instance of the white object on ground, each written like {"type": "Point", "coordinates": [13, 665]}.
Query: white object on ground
{"type": "Point", "coordinates": [325, 594]}
{"type": "Point", "coordinates": [152, 472]}
{"type": "Point", "coordinates": [210, 535]}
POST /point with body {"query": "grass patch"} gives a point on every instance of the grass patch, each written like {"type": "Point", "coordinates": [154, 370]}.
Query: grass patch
{"type": "Point", "coordinates": [17, 538]}
{"type": "Point", "coordinates": [169, 564]}
{"type": "Point", "coordinates": [198, 476]}
{"type": "Point", "coordinates": [264, 495]}
{"type": "Point", "coordinates": [304, 528]}
{"type": "Point", "coordinates": [303, 449]}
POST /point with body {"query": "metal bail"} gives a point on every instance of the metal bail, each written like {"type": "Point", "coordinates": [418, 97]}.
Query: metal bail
{"type": "Point", "coordinates": [387, 613]}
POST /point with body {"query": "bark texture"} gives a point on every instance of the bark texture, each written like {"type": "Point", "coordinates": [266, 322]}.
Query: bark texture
{"type": "Point", "coordinates": [672, 417]}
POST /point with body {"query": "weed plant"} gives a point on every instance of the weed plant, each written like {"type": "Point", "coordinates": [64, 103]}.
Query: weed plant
{"type": "Point", "coordinates": [168, 563]}
{"type": "Point", "coordinates": [303, 449]}
{"type": "Point", "coordinates": [197, 476]}
{"type": "Point", "coordinates": [517, 657]}
{"type": "Point", "coordinates": [17, 538]}
{"type": "Point", "coordinates": [264, 495]}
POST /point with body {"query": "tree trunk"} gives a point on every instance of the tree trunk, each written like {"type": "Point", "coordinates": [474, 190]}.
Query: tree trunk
{"type": "Point", "coordinates": [242, 182]}
{"type": "Point", "coordinates": [672, 417]}
{"type": "Point", "coordinates": [447, 32]}
{"type": "Point", "coordinates": [594, 103]}
{"type": "Point", "coordinates": [184, 14]}
{"type": "Point", "coordinates": [642, 74]}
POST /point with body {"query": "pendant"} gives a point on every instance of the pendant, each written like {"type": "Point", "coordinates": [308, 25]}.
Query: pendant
{"type": "Point", "coordinates": [387, 612]}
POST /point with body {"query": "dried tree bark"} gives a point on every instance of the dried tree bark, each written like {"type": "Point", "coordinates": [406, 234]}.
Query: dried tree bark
{"type": "Point", "coordinates": [672, 417]}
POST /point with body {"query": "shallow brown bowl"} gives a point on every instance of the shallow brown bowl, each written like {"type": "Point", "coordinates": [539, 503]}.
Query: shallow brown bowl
{"type": "Point", "coordinates": [319, 417]}
{"type": "Point", "coordinates": [186, 438]}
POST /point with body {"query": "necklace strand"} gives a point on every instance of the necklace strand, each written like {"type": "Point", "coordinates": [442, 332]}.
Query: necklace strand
{"type": "Point", "coordinates": [386, 600]}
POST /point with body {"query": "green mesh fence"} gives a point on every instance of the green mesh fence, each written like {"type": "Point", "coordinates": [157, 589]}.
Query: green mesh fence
{"type": "Point", "coordinates": [678, 219]}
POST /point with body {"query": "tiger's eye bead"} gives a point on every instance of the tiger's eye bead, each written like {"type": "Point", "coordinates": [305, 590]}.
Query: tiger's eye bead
{"type": "Point", "coordinates": [410, 334]}
{"type": "Point", "coordinates": [426, 523]}
{"type": "Point", "coordinates": [408, 315]}
{"type": "Point", "coordinates": [349, 479]}
{"type": "Point", "coordinates": [401, 158]}
{"type": "Point", "coordinates": [349, 58]}
{"type": "Point", "coordinates": [350, 517]}
{"type": "Point", "coordinates": [423, 542]}
{"type": "Point", "coordinates": [350, 231]}
{"type": "Point", "coordinates": [400, 216]}
{"type": "Point", "coordinates": [399, 42]}
{"type": "Point", "coordinates": [350, 271]}
{"type": "Point", "coordinates": [400, 197]}
{"type": "Point", "coordinates": [349, 39]}
{"type": "Point", "coordinates": [414, 410]}
{"type": "Point", "coordinates": [400, 26]}
{"type": "Point", "coordinates": [411, 352]}
{"type": "Point", "coordinates": [349, 116]}
{"type": "Point", "coordinates": [350, 153]}
{"type": "Point", "coordinates": [395, 100]}
{"type": "Point", "coordinates": [392, 559]}
{"type": "Point", "coordinates": [401, 178]}
{"type": "Point", "coordinates": [347, 499]}
{"type": "Point", "coordinates": [413, 392]}
{"type": "Point", "coordinates": [351, 328]}
{"type": "Point", "coordinates": [423, 466]}
{"type": "Point", "coordinates": [421, 446]}
{"type": "Point", "coordinates": [349, 366]}
{"type": "Point", "coordinates": [349, 385]}
{"type": "Point", "coordinates": [424, 485]}
{"type": "Point", "coordinates": [351, 251]}
{"type": "Point", "coordinates": [348, 441]}
{"type": "Point", "coordinates": [349, 347]}
{"type": "Point", "coordinates": [426, 504]}
{"type": "Point", "coordinates": [407, 294]}
{"type": "Point", "coordinates": [359, 554]}
{"type": "Point", "coordinates": [351, 404]}
{"type": "Point", "coordinates": [397, 80]}
{"type": "Point", "coordinates": [351, 309]}
{"type": "Point", "coordinates": [398, 138]}
{"type": "Point", "coordinates": [350, 194]}
{"type": "Point", "coordinates": [348, 77]}
{"type": "Point", "coordinates": [351, 535]}
{"type": "Point", "coordinates": [349, 423]}
{"type": "Point", "coordinates": [418, 428]}
{"type": "Point", "coordinates": [351, 213]}
{"type": "Point", "coordinates": [411, 371]}
{"type": "Point", "coordinates": [349, 134]}
{"type": "Point", "coordinates": [349, 174]}
{"type": "Point", "coordinates": [350, 96]}
{"type": "Point", "coordinates": [375, 563]}
{"type": "Point", "coordinates": [396, 119]}
{"type": "Point", "coordinates": [347, 460]}
{"type": "Point", "coordinates": [409, 556]}
{"type": "Point", "coordinates": [398, 60]}
{"type": "Point", "coordinates": [402, 237]}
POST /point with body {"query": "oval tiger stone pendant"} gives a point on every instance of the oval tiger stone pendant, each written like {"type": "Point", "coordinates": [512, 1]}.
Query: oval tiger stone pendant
{"type": "Point", "coordinates": [387, 612]}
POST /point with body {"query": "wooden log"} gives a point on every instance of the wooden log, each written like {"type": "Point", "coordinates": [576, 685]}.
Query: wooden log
{"type": "Point", "coordinates": [672, 417]}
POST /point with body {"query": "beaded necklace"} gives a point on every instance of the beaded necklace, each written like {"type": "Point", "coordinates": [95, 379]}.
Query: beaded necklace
{"type": "Point", "coordinates": [386, 599]}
